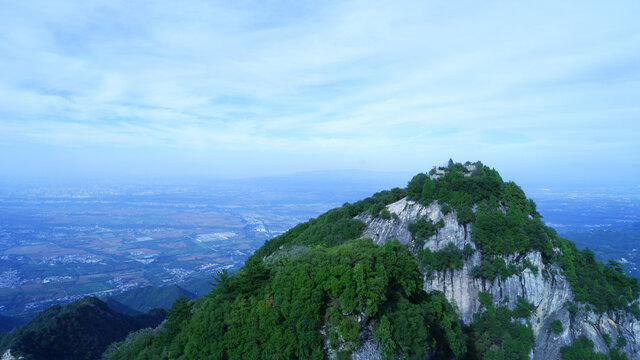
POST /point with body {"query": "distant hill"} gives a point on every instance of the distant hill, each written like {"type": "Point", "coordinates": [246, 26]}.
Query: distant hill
{"type": "Point", "coordinates": [199, 285]}
{"type": "Point", "coordinates": [8, 323]}
{"type": "Point", "coordinates": [79, 330]}
{"type": "Point", "coordinates": [140, 300]}
{"type": "Point", "coordinates": [620, 243]}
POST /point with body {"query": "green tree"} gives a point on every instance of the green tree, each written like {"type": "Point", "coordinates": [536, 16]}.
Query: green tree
{"type": "Point", "coordinates": [556, 326]}
{"type": "Point", "coordinates": [384, 336]}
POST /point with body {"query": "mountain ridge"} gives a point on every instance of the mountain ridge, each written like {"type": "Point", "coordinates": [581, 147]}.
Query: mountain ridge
{"type": "Point", "coordinates": [485, 279]}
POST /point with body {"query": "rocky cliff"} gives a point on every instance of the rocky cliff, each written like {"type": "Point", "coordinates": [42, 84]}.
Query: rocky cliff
{"type": "Point", "coordinates": [466, 269]}
{"type": "Point", "coordinates": [547, 289]}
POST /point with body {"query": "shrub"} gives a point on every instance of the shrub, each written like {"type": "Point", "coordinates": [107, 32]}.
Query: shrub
{"type": "Point", "coordinates": [421, 230]}
{"type": "Point", "coordinates": [556, 326]}
{"type": "Point", "coordinates": [449, 257]}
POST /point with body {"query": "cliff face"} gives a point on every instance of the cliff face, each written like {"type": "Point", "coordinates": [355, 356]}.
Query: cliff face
{"type": "Point", "coordinates": [548, 290]}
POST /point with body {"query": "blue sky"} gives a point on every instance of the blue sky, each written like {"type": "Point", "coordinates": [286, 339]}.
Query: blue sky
{"type": "Point", "coordinates": [536, 89]}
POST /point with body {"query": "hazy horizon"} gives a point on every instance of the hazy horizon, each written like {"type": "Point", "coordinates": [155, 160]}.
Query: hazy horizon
{"type": "Point", "coordinates": [337, 181]}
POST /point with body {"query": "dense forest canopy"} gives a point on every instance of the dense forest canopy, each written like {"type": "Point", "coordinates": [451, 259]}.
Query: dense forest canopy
{"type": "Point", "coordinates": [279, 312]}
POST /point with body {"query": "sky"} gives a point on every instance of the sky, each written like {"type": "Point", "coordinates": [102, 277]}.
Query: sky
{"type": "Point", "coordinates": [543, 91]}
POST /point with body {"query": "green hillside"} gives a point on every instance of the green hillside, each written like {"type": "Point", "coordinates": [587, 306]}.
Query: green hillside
{"type": "Point", "coordinates": [79, 330]}
{"type": "Point", "coordinates": [277, 311]}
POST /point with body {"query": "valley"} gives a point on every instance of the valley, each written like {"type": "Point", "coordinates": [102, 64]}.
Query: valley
{"type": "Point", "coordinates": [59, 244]}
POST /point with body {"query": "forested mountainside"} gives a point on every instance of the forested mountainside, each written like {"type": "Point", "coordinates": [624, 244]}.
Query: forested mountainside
{"type": "Point", "coordinates": [458, 265]}
{"type": "Point", "coordinates": [80, 330]}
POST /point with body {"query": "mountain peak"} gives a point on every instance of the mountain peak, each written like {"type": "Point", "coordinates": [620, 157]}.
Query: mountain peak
{"type": "Point", "coordinates": [457, 265]}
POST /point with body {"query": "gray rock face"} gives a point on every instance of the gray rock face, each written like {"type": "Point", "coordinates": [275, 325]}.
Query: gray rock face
{"type": "Point", "coordinates": [379, 230]}
{"type": "Point", "coordinates": [369, 348]}
{"type": "Point", "coordinates": [547, 289]}
{"type": "Point", "coordinates": [7, 356]}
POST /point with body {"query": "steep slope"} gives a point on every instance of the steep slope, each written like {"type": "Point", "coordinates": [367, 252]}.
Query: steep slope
{"type": "Point", "coordinates": [458, 265]}
{"type": "Point", "coordinates": [324, 300]}
{"type": "Point", "coordinates": [541, 282]}
{"type": "Point", "coordinates": [79, 330]}
{"type": "Point", "coordinates": [547, 289]}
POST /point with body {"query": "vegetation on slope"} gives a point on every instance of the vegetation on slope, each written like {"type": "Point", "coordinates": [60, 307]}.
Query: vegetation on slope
{"type": "Point", "coordinates": [506, 222]}
{"type": "Point", "coordinates": [582, 349]}
{"type": "Point", "coordinates": [279, 312]}
{"type": "Point", "coordinates": [606, 287]}
{"type": "Point", "coordinates": [496, 334]}
{"type": "Point", "coordinates": [334, 227]}
{"type": "Point", "coordinates": [449, 257]}
{"type": "Point", "coordinates": [79, 330]}
{"type": "Point", "coordinates": [319, 280]}
{"type": "Point", "coordinates": [423, 229]}
{"type": "Point", "coordinates": [460, 188]}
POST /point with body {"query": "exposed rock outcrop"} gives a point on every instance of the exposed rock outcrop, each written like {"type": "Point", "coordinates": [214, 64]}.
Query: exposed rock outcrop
{"type": "Point", "coordinates": [369, 348]}
{"type": "Point", "coordinates": [8, 356]}
{"type": "Point", "coordinates": [547, 289]}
